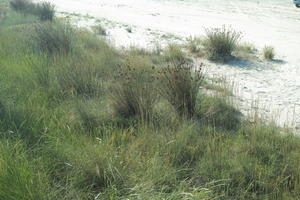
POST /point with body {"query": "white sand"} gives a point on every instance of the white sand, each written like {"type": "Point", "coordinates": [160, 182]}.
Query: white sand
{"type": "Point", "coordinates": [275, 85]}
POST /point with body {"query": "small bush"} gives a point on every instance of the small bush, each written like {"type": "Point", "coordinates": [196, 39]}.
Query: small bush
{"type": "Point", "coordinates": [220, 43]}
{"type": "Point", "coordinates": [181, 82]}
{"type": "Point", "coordinates": [54, 38]}
{"type": "Point", "coordinates": [268, 53]}
{"type": "Point", "coordinates": [45, 11]}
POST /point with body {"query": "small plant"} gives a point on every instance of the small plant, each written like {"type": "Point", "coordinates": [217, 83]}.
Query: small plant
{"type": "Point", "coordinates": [79, 77]}
{"type": "Point", "coordinates": [129, 29]}
{"type": "Point", "coordinates": [54, 38]}
{"type": "Point", "coordinates": [99, 30]}
{"type": "Point", "coordinates": [194, 44]}
{"type": "Point", "coordinates": [220, 43]}
{"type": "Point", "coordinates": [181, 82]}
{"type": "Point", "coordinates": [174, 53]}
{"type": "Point", "coordinates": [21, 5]}
{"type": "Point", "coordinates": [245, 51]}
{"type": "Point", "coordinates": [268, 53]}
{"type": "Point", "coordinates": [135, 94]}
{"type": "Point", "coordinates": [45, 11]}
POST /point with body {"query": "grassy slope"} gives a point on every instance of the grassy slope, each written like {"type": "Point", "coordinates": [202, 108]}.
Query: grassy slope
{"type": "Point", "coordinates": [61, 139]}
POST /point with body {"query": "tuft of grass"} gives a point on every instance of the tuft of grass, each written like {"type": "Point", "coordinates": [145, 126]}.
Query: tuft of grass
{"type": "Point", "coordinates": [181, 82]}
{"type": "Point", "coordinates": [218, 113]}
{"type": "Point", "coordinates": [174, 53]}
{"type": "Point", "coordinates": [268, 53]}
{"type": "Point", "coordinates": [220, 43]}
{"type": "Point", "coordinates": [135, 93]}
{"type": "Point", "coordinates": [99, 30]}
{"type": "Point", "coordinates": [45, 11]}
{"type": "Point", "coordinates": [18, 176]}
{"type": "Point", "coordinates": [245, 51]}
{"type": "Point", "coordinates": [54, 38]}
{"type": "Point", "coordinates": [194, 45]}
{"type": "Point", "coordinates": [21, 5]}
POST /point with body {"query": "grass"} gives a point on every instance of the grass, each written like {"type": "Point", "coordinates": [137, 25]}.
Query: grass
{"type": "Point", "coordinates": [54, 38]}
{"type": "Point", "coordinates": [268, 53]}
{"type": "Point", "coordinates": [181, 82]}
{"type": "Point", "coordinates": [99, 30]}
{"type": "Point", "coordinates": [82, 120]}
{"type": "Point", "coordinates": [220, 43]}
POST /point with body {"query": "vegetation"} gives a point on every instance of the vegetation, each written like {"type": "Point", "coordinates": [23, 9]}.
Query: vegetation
{"type": "Point", "coordinates": [44, 11]}
{"type": "Point", "coordinates": [220, 43]}
{"type": "Point", "coordinates": [99, 30]}
{"type": "Point", "coordinates": [81, 120]}
{"type": "Point", "coordinates": [268, 53]}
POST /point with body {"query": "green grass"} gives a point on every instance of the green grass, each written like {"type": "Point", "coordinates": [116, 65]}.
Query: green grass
{"type": "Point", "coordinates": [219, 43]}
{"type": "Point", "coordinates": [268, 53]}
{"type": "Point", "coordinates": [82, 120]}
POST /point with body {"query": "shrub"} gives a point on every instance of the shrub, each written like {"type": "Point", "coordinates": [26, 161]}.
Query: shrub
{"type": "Point", "coordinates": [181, 82]}
{"type": "Point", "coordinates": [268, 53]}
{"type": "Point", "coordinates": [220, 43]}
{"type": "Point", "coordinates": [54, 38]}
{"type": "Point", "coordinates": [45, 11]}
{"type": "Point", "coordinates": [135, 94]}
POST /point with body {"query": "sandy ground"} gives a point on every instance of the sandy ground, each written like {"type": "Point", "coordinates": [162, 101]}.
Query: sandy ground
{"type": "Point", "coordinates": [272, 87]}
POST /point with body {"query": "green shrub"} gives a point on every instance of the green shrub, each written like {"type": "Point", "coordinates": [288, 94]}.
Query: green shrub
{"type": "Point", "coordinates": [54, 38]}
{"type": "Point", "coordinates": [45, 11]}
{"type": "Point", "coordinates": [181, 82]}
{"type": "Point", "coordinates": [268, 53]}
{"type": "Point", "coordinates": [220, 43]}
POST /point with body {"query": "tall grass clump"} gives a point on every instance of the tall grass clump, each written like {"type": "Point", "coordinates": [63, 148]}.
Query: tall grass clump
{"type": "Point", "coordinates": [22, 5]}
{"type": "Point", "coordinates": [268, 53]}
{"type": "Point", "coordinates": [220, 43]}
{"type": "Point", "coordinates": [54, 38]}
{"type": "Point", "coordinates": [45, 11]}
{"type": "Point", "coordinates": [181, 82]}
{"type": "Point", "coordinates": [18, 177]}
{"type": "Point", "coordinates": [174, 53]}
{"type": "Point", "coordinates": [79, 77]}
{"type": "Point", "coordinates": [135, 91]}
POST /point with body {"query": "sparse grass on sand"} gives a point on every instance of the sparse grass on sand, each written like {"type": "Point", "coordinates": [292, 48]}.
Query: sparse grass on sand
{"type": "Point", "coordinates": [80, 120]}
{"type": "Point", "coordinates": [268, 53]}
{"type": "Point", "coordinates": [220, 43]}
